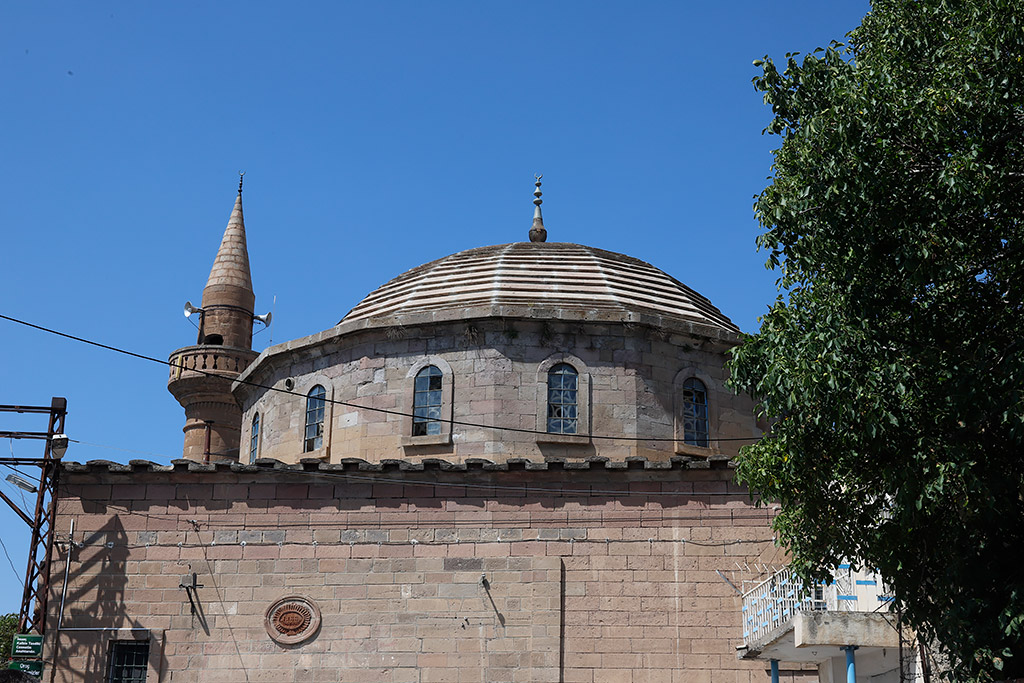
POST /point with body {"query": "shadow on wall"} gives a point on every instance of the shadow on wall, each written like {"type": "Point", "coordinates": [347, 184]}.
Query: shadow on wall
{"type": "Point", "coordinates": [95, 601]}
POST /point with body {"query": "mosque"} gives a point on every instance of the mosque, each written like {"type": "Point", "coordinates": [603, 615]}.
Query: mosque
{"type": "Point", "coordinates": [531, 350]}
{"type": "Point", "coordinates": [510, 464]}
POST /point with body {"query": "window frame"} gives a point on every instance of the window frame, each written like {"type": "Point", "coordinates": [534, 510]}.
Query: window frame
{"type": "Point", "coordinates": [431, 426]}
{"type": "Point", "coordinates": [700, 434]}
{"type": "Point", "coordinates": [315, 447]}
{"type": "Point", "coordinates": [447, 412]}
{"type": "Point", "coordinates": [583, 400]}
{"type": "Point", "coordinates": [711, 388]}
{"type": "Point", "coordinates": [560, 371]}
{"type": "Point", "coordinates": [137, 666]}
{"type": "Point", "coordinates": [255, 426]}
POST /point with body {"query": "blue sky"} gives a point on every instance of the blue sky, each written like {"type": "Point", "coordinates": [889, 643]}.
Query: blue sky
{"type": "Point", "coordinates": [375, 137]}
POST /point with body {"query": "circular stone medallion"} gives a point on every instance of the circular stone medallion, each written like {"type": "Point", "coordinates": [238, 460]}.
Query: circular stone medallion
{"type": "Point", "coordinates": [292, 619]}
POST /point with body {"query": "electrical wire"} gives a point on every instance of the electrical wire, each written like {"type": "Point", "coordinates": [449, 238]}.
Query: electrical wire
{"type": "Point", "coordinates": [375, 526]}
{"type": "Point", "coordinates": [9, 560]}
{"type": "Point", "coordinates": [268, 544]}
{"type": "Point", "coordinates": [466, 485]}
{"type": "Point", "coordinates": [686, 516]}
{"type": "Point", "coordinates": [21, 472]}
{"type": "Point", "coordinates": [123, 450]}
{"type": "Point", "coordinates": [97, 445]}
{"type": "Point", "coordinates": [21, 493]}
{"type": "Point", "coordinates": [527, 488]}
{"type": "Point", "coordinates": [349, 404]}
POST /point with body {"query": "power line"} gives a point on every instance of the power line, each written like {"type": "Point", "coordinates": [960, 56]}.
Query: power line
{"type": "Point", "coordinates": [266, 544]}
{"type": "Point", "coordinates": [524, 488]}
{"type": "Point", "coordinates": [21, 493]}
{"type": "Point", "coordinates": [390, 480]}
{"type": "Point", "coordinates": [501, 487]}
{"type": "Point", "coordinates": [96, 445]}
{"type": "Point", "coordinates": [123, 450]}
{"type": "Point", "coordinates": [685, 515]}
{"type": "Point", "coordinates": [9, 561]}
{"type": "Point", "coordinates": [15, 469]}
{"type": "Point", "coordinates": [412, 526]}
{"type": "Point", "coordinates": [349, 404]}
{"type": "Point", "coordinates": [376, 526]}
{"type": "Point", "coordinates": [527, 488]}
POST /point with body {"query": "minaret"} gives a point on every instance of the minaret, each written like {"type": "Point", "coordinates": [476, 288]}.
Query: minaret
{"type": "Point", "coordinates": [201, 375]}
{"type": "Point", "coordinates": [537, 231]}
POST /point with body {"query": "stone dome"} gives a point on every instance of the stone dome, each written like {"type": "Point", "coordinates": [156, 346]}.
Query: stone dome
{"type": "Point", "coordinates": [555, 275]}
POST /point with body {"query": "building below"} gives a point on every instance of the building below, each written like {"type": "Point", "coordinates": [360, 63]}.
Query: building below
{"type": "Point", "coordinates": [404, 572]}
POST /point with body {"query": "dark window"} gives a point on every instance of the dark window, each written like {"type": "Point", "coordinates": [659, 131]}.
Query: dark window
{"type": "Point", "coordinates": [315, 402]}
{"type": "Point", "coordinates": [128, 661]}
{"type": "Point", "coordinates": [563, 385]}
{"type": "Point", "coordinates": [254, 438]}
{"type": "Point", "coordinates": [214, 340]}
{"type": "Point", "coordinates": [695, 413]}
{"type": "Point", "coordinates": [426, 402]}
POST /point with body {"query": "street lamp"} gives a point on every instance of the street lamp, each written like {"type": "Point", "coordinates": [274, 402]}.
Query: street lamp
{"type": "Point", "coordinates": [22, 483]}
{"type": "Point", "coordinates": [58, 445]}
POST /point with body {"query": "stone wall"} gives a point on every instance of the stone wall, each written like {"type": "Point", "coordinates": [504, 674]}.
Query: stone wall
{"type": "Point", "coordinates": [571, 572]}
{"type": "Point", "coordinates": [630, 386]}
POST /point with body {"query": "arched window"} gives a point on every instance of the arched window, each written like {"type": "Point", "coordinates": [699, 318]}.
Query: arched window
{"type": "Point", "coordinates": [563, 399]}
{"type": "Point", "coordinates": [426, 402]}
{"type": "Point", "coordinates": [695, 413]}
{"type": "Point", "coordinates": [315, 402]}
{"type": "Point", "coordinates": [254, 438]}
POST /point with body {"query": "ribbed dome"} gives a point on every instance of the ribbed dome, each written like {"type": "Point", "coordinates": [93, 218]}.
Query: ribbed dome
{"type": "Point", "coordinates": [552, 275]}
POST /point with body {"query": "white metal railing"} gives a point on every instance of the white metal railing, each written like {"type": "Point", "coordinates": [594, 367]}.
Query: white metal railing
{"type": "Point", "coordinates": [771, 604]}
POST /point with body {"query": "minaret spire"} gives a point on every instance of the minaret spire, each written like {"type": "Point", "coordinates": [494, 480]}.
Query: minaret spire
{"type": "Point", "coordinates": [201, 375]}
{"type": "Point", "coordinates": [537, 231]}
{"type": "Point", "coordinates": [228, 298]}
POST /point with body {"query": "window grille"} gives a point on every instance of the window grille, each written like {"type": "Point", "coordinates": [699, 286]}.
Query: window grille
{"type": "Point", "coordinates": [315, 402]}
{"type": "Point", "coordinates": [426, 402]}
{"type": "Point", "coordinates": [563, 404]}
{"type": "Point", "coordinates": [129, 660]}
{"type": "Point", "coordinates": [695, 413]}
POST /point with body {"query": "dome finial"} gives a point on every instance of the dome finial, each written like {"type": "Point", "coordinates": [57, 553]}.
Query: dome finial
{"type": "Point", "coordinates": [537, 231]}
{"type": "Point", "coordinates": [240, 175]}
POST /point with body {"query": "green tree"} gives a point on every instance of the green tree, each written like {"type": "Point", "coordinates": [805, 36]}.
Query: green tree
{"type": "Point", "coordinates": [8, 627]}
{"type": "Point", "coordinates": [892, 363]}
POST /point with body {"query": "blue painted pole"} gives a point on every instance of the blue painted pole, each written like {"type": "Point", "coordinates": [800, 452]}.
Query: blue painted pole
{"type": "Point", "coordinates": [851, 664]}
{"type": "Point", "coordinates": [775, 671]}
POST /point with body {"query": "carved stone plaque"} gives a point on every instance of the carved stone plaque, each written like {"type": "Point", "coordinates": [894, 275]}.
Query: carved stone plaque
{"type": "Point", "coordinates": [292, 619]}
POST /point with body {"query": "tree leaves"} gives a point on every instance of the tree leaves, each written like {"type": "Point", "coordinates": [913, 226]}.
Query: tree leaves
{"type": "Point", "coordinates": [892, 364]}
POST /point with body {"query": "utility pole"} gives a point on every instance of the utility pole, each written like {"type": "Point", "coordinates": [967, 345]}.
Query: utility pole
{"type": "Point", "coordinates": [32, 616]}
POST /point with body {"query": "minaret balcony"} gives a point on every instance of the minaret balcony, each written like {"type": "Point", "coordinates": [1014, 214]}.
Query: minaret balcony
{"type": "Point", "coordinates": [201, 361]}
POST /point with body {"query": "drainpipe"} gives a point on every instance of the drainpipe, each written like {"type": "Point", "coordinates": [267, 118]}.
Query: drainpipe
{"type": "Point", "coordinates": [775, 671]}
{"type": "Point", "coordinates": [63, 595]}
{"type": "Point", "coordinates": [206, 449]}
{"type": "Point", "coordinates": [851, 664]}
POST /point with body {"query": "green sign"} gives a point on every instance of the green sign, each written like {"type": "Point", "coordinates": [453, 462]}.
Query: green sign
{"type": "Point", "coordinates": [33, 667]}
{"type": "Point", "coordinates": [27, 645]}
